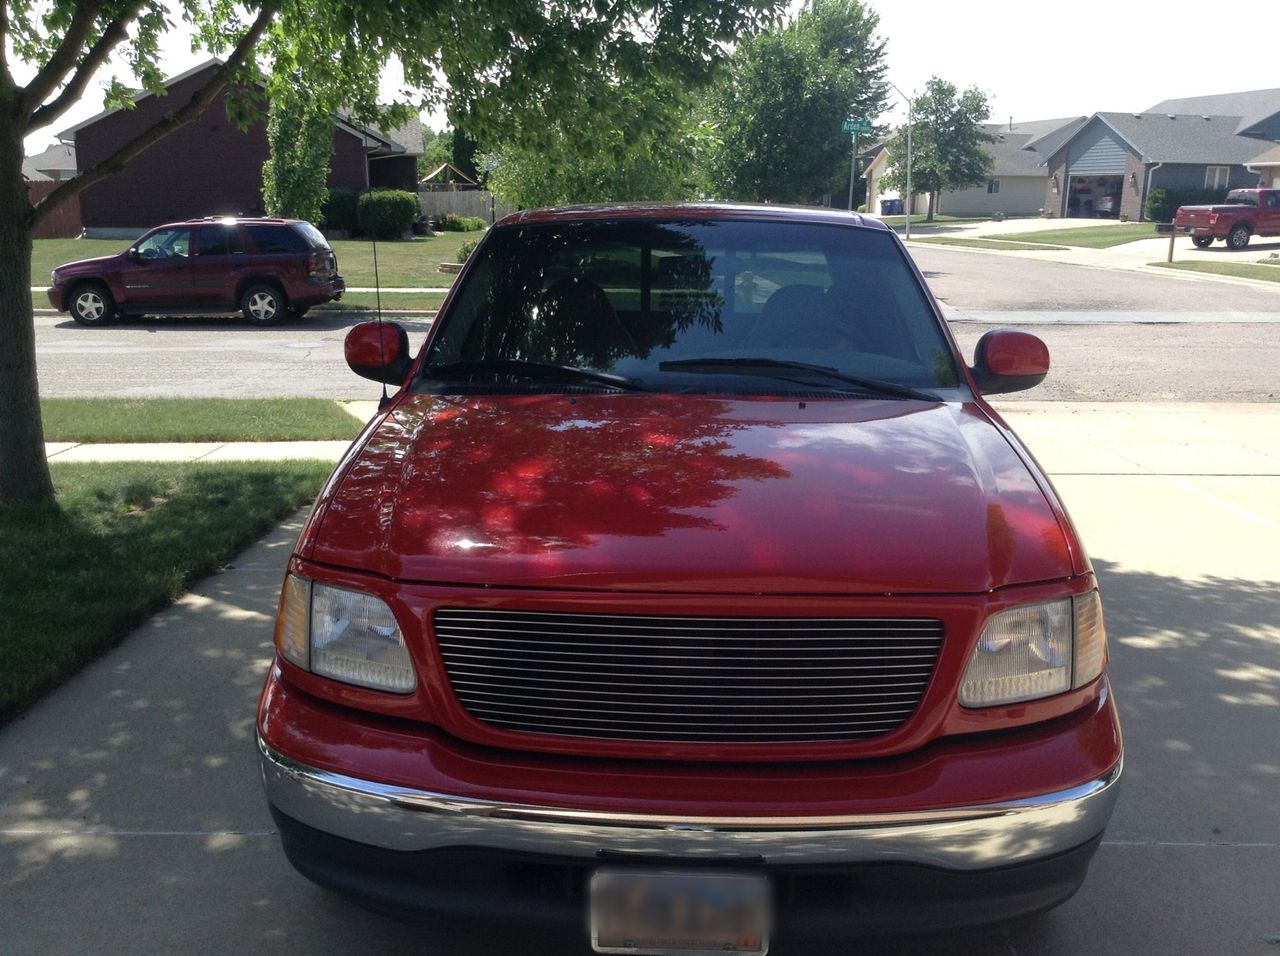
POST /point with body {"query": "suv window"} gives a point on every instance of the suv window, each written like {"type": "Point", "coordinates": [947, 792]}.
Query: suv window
{"type": "Point", "coordinates": [218, 241]}
{"type": "Point", "coordinates": [312, 236]}
{"type": "Point", "coordinates": [267, 239]}
{"type": "Point", "coordinates": [630, 297]}
{"type": "Point", "coordinates": [166, 244]}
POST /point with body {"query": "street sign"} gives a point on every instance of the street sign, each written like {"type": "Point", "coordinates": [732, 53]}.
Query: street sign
{"type": "Point", "coordinates": [856, 126]}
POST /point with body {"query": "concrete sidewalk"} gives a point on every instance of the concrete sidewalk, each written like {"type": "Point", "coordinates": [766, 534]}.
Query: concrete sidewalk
{"type": "Point", "coordinates": [132, 820]}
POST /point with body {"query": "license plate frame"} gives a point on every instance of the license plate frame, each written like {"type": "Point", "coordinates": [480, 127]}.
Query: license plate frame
{"type": "Point", "coordinates": [700, 898]}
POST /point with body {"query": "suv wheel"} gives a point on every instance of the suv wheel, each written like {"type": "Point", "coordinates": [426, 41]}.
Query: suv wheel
{"type": "Point", "coordinates": [262, 304]}
{"type": "Point", "coordinates": [1238, 237]}
{"type": "Point", "coordinates": [91, 304]}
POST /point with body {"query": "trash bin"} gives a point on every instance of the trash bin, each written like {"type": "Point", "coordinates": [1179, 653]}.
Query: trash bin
{"type": "Point", "coordinates": [891, 207]}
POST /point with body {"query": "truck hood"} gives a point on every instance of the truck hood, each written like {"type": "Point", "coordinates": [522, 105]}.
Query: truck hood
{"type": "Point", "coordinates": [683, 493]}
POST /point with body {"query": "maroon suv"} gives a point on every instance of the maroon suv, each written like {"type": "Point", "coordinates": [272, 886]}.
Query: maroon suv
{"type": "Point", "coordinates": [268, 269]}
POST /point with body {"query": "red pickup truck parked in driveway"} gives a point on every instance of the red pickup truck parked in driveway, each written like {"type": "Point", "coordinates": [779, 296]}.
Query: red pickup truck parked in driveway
{"type": "Point", "coordinates": [1246, 213]}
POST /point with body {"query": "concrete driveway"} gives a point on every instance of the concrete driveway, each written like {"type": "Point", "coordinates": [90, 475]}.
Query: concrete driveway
{"type": "Point", "coordinates": [131, 818]}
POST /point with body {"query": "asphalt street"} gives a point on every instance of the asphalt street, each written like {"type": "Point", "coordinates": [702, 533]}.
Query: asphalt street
{"type": "Point", "coordinates": [1113, 335]}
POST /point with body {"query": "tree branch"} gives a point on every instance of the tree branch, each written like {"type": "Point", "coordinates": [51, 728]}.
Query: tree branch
{"type": "Point", "coordinates": [63, 60]}
{"type": "Point", "coordinates": [199, 101]}
{"type": "Point", "coordinates": [116, 31]}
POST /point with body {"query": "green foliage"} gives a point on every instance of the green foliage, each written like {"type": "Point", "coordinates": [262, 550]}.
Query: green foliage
{"type": "Point", "coordinates": [946, 142]}
{"type": "Point", "coordinates": [779, 108]}
{"type": "Point", "coordinates": [452, 222]}
{"type": "Point", "coordinates": [300, 138]}
{"type": "Point", "coordinates": [340, 209]}
{"type": "Point", "coordinates": [1163, 203]}
{"type": "Point", "coordinates": [589, 161]}
{"type": "Point", "coordinates": [387, 213]}
{"type": "Point", "coordinates": [465, 250]}
{"type": "Point", "coordinates": [437, 149]}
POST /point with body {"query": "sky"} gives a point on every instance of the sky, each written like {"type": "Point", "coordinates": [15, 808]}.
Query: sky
{"type": "Point", "coordinates": [1034, 60]}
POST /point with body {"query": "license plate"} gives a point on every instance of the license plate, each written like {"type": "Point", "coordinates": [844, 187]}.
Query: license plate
{"type": "Point", "coordinates": [679, 913]}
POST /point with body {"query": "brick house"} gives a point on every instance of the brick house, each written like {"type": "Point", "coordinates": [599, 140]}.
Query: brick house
{"type": "Point", "coordinates": [1109, 166]}
{"type": "Point", "coordinates": [210, 167]}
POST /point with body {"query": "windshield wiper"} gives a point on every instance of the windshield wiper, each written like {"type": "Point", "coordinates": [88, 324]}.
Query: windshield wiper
{"type": "Point", "coordinates": [774, 368]}
{"type": "Point", "coordinates": [547, 371]}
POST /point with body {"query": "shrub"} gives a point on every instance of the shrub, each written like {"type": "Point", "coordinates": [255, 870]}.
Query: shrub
{"type": "Point", "coordinates": [452, 222]}
{"type": "Point", "coordinates": [339, 210]}
{"type": "Point", "coordinates": [466, 248]}
{"type": "Point", "coordinates": [1162, 203]}
{"type": "Point", "coordinates": [387, 213]}
{"type": "Point", "coordinates": [862, 208]}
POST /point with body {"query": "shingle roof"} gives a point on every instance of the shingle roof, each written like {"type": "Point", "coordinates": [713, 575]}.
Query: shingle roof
{"type": "Point", "coordinates": [59, 156]}
{"type": "Point", "coordinates": [1270, 158]}
{"type": "Point", "coordinates": [1250, 107]}
{"type": "Point", "coordinates": [409, 136]}
{"type": "Point", "coordinates": [1020, 148]}
{"type": "Point", "coordinates": [33, 175]}
{"type": "Point", "coordinates": [1185, 138]}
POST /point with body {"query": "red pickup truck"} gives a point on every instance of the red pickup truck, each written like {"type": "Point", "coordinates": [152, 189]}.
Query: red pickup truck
{"type": "Point", "coordinates": [1246, 213]}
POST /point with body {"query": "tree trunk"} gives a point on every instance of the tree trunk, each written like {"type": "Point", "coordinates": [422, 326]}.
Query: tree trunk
{"type": "Point", "coordinates": [24, 470]}
{"type": "Point", "coordinates": [929, 217]}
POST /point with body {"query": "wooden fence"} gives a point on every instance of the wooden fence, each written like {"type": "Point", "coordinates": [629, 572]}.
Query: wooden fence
{"type": "Point", "coordinates": [64, 222]}
{"type": "Point", "coordinates": [471, 202]}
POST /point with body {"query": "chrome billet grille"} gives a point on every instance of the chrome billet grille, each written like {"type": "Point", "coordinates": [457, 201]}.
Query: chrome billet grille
{"type": "Point", "coordinates": [694, 679]}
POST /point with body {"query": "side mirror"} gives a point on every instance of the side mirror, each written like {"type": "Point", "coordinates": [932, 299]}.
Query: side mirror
{"type": "Point", "coordinates": [1006, 360]}
{"type": "Point", "coordinates": [133, 253]}
{"type": "Point", "coordinates": [379, 351]}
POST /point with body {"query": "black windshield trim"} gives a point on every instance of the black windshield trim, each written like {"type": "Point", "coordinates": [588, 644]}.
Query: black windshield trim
{"type": "Point", "coordinates": [772, 368]}
{"type": "Point", "coordinates": [531, 369]}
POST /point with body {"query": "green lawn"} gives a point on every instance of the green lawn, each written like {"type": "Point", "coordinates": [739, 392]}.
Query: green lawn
{"type": "Point", "coordinates": [125, 540]}
{"type": "Point", "coordinates": [410, 263]}
{"type": "Point", "coordinates": [195, 419]}
{"type": "Point", "coordinates": [391, 301]}
{"type": "Point", "coordinates": [1090, 237]}
{"type": "Point", "coordinates": [1241, 270]}
{"type": "Point", "coordinates": [985, 243]}
{"type": "Point", "coordinates": [919, 222]}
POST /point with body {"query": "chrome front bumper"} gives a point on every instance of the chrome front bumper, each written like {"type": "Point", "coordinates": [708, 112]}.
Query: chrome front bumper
{"type": "Point", "coordinates": [958, 838]}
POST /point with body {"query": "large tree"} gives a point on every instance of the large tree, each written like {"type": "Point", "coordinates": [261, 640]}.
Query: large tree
{"type": "Point", "coordinates": [300, 139]}
{"type": "Point", "coordinates": [512, 66]}
{"type": "Point", "coordinates": [780, 105]}
{"type": "Point", "coordinates": [947, 140]}
{"type": "Point", "coordinates": [589, 161]}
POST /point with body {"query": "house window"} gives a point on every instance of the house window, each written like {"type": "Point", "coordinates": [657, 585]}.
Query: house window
{"type": "Point", "coordinates": [1215, 177]}
{"type": "Point", "coordinates": [993, 186]}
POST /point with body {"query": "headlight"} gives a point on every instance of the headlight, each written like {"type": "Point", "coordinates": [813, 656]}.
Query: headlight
{"type": "Point", "coordinates": [347, 635]}
{"type": "Point", "coordinates": [1036, 651]}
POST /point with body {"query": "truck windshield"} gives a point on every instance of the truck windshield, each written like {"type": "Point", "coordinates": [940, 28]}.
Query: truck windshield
{"type": "Point", "coordinates": [703, 305]}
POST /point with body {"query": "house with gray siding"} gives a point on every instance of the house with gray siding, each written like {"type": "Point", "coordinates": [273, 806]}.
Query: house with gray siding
{"type": "Point", "coordinates": [1016, 186]}
{"type": "Point", "coordinates": [1110, 164]}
